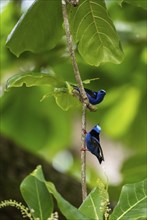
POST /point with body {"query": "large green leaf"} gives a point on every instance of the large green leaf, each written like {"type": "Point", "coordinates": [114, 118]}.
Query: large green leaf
{"type": "Point", "coordinates": [32, 124]}
{"type": "Point", "coordinates": [36, 195]}
{"type": "Point", "coordinates": [132, 202]}
{"type": "Point", "coordinates": [123, 112]}
{"type": "Point", "coordinates": [95, 205]}
{"type": "Point", "coordinates": [39, 29]}
{"type": "Point", "coordinates": [63, 94]}
{"type": "Point", "coordinates": [8, 18]}
{"type": "Point", "coordinates": [93, 29]}
{"type": "Point", "coordinates": [68, 210]}
{"type": "Point", "coordinates": [134, 169]}
{"type": "Point", "coordinates": [33, 79]}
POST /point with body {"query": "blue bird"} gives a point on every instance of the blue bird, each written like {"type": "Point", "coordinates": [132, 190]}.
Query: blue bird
{"type": "Point", "coordinates": [94, 97]}
{"type": "Point", "coordinates": [92, 140]}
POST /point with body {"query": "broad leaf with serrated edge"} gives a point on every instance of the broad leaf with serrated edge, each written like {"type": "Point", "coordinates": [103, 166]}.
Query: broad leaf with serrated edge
{"type": "Point", "coordinates": [95, 33]}
{"type": "Point", "coordinates": [132, 202]}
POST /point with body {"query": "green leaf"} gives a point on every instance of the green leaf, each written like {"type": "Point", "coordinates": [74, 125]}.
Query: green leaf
{"type": "Point", "coordinates": [95, 205]}
{"type": "Point", "coordinates": [36, 195]}
{"type": "Point", "coordinates": [8, 17]}
{"type": "Point", "coordinates": [134, 169]}
{"type": "Point", "coordinates": [141, 3]}
{"type": "Point", "coordinates": [39, 29]}
{"type": "Point", "coordinates": [65, 100]}
{"type": "Point", "coordinates": [63, 96]}
{"type": "Point", "coordinates": [128, 104]}
{"type": "Point", "coordinates": [132, 202]}
{"type": "Point", "coordinates": [95, 33]}
{"type": "Point", "coordinates": [87, 81]}
{"type": "Point", "coordinates": [68, 210]}
{"type": "Point", "coordinates": [33, 79]}
{"type": "Point", "coordinates": [32, 124]}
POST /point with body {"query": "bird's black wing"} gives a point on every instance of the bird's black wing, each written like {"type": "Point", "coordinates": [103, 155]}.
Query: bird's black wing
{"type": "Point", "coordinates": [88, 91]}
{"type": "Point", "coordinates": [75, 87]}
{"type": "Point", "coordinates": [98, 152]}
{"type": "Point", "coordinates": [95, 134]}
{"type": "Point", "coordinates": [91, 93]}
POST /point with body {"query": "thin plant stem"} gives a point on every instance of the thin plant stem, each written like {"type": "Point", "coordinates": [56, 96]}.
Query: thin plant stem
{"type": "Point", "coordinates": [73, 58]}
{"type": "Point", "coordinates": [71, 51]}
{"type": "Point", "coordinates": [73, 2]}
{"type": "Point", "coordinates": [85, 101]}
{"type": "Point", "coordinates": [83, 154]}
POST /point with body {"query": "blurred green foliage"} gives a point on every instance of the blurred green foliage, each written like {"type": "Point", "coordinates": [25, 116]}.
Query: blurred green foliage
{"type": "Point", "coordinates": [42, 127]}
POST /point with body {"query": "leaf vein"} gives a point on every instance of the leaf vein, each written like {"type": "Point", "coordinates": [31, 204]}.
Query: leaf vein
{"type": "Point", "coordinates": [97, 32]}
{"type": "Point", "coordinates": [131, 207]}
{"type": "Point", "coordinates": [135, 192]}
{"type": "Point", "coordinates": [94, 21]}
{"type": "Point", "coordinates": [109, 24]}
{"type": "Point", "coordinates": [81, 24]}
{"type": "Point", "coordinates": [144, 188]}
{"type": "Point", "coordinates": [40, 210]}
{"type": "Point", "coordinates": [78, 8]}
{"type": "Point", "coordinates": [96, 3]}
{"type": "Point", "coordinates": [95, 212]}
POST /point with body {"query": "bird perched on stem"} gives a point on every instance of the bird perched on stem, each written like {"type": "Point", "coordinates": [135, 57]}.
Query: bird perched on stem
{"type": "Point", "coordinates": [94, 97]}
{"type": "Point", "coordinates": [92, 140]}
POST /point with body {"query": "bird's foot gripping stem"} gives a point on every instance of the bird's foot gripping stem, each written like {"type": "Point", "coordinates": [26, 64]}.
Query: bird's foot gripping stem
{"type": "Point", "coordinates": [84, 149]}
{"type": "Point", "coordinates": [84, 131]}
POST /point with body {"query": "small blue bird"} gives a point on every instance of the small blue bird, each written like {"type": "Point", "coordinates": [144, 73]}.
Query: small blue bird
{"type": "Point", "coordinates": [92, 140]}
{"type": "Point", "coordinates": [94, 97]}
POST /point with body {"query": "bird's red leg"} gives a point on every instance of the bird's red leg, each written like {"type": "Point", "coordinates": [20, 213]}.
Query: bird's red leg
{"type": "Point", "coordinates": [84, 131]}
{"type": "Point", "coordinates": [84, 149]}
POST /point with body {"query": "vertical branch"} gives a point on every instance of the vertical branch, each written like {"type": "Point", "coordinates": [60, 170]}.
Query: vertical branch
{"type": "Point", "coordinates": [73, 58]}
{"type": "Point", "coordinates": [83, 95]}
{"type": "Point", "coordinates": [83, 154]}
{"type": "Point", "coordinates": [72, 53]}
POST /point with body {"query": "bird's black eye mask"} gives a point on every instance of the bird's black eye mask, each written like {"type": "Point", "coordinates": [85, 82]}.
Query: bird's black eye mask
{"type": "Point", "coordinates": [94, 134]}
